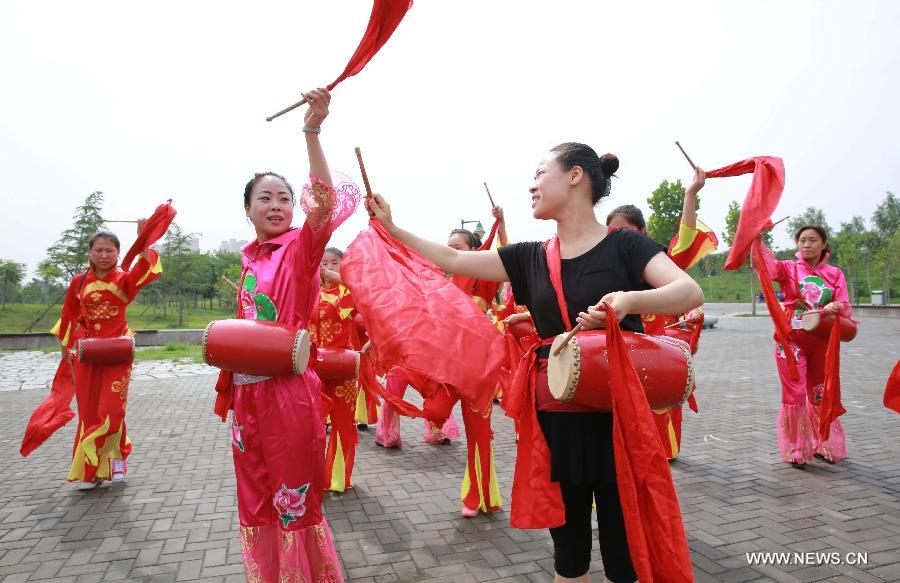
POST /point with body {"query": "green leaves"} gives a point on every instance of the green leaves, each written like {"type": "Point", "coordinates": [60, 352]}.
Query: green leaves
{"type": "Point", "coordinates": [666, 202]}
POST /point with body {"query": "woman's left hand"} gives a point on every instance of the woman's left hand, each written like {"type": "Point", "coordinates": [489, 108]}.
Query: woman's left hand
{"type": "Point", "coordinates": [497, 212]}
{"type": "Point", "coordinates": [832, 308]}
{"type": "Point", "coordinates": [318, 100]}
{"type": "Point", "coordinates": [619, 301]}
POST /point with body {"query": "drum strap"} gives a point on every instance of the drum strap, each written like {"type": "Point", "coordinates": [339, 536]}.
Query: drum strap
{"type": "Point", "coordinates": [554, 265]}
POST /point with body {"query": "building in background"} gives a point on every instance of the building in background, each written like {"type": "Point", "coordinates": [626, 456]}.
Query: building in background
{"type": "Point", "coordinates": [231, 246]}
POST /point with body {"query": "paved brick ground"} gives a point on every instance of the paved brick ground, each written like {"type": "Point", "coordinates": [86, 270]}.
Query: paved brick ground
{"type": "Point", "coordinates": [176, 519]}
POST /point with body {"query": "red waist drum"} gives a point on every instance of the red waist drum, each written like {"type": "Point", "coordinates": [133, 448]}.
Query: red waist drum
{"type": "Point", "coordinates": [336, 364]}
{"type": "Point", "coordinates": [254, 347]}
{"type": "Point", "coordinates": [105, 350]}
{"type": "Point", "coordinates": [579, 374]}
{"type": "Point", "coordinates": [819, 324]}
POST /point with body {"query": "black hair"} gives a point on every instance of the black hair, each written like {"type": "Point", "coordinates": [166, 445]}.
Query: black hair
{"type": "Point", "coordinates": [248, 190]}
{"type": "Point", "coordinates": [630, 213]}
{"type": "Point", "coordinates": [598, 168]}
{"type": "Point", "coordinates": [473, 239]}
{"type": "Point", "coordinates": [108, 235]}
{"type": "Point", "coordinates": [818, 229]}
{"type": "Point", "coordinates": [334, 250]}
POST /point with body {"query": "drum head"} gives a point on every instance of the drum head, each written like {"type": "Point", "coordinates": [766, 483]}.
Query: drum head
{"type": "Point", "coordinates": [810, 321]}
{"type": "Point", "coordinates": [563, 369]}
{"type": "Point", "coordinates": [300, 356]}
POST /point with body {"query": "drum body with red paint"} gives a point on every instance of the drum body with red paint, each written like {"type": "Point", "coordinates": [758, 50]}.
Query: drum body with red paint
{"type": "Point", "coordinates": [255, 347]}
{"type": "Point", "coordinates": [580, 372]}
{"type": "Point", "coordinates": [105, 350]}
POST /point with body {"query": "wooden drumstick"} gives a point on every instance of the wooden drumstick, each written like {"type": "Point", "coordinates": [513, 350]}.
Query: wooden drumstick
{"type": "Point", "coordinates": [678, 323]}
{"type": "Point", "coordinates": [287, 109]}
{"type": "Point", "coordinates": [490, 198]}
{"type": "Point", "coordinates": [572, 333]}
{"type": "Point", "coordinates": [105, 221]}
{"type": "Point", "coordinates": [362, 169]}
{"type": "Point", "coordinates": [231, 283]}
{"type": "Point", "coordinates": [781, 221]}
{"type": "Point", "coordinates": [694, 166]}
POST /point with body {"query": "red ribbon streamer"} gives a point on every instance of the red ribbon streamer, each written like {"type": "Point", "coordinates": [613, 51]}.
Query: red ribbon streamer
{"type": "Point", "coordinates": [153, 231]}
{"type": "Point", "coordinates": [386, 16]}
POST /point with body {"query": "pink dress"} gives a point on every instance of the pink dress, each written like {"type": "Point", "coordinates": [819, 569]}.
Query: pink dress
{"type": "Point", "coordinates": [278, 440]}
{"type": "Point", "coordinates": [806, 288]}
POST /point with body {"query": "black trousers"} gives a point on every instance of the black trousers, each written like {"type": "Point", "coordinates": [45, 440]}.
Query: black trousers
{"type": "Point", "coordinates": [572, 541]}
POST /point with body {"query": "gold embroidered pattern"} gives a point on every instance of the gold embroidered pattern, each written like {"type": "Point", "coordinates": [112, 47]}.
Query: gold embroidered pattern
{"type": "Point", "coordinates": [287, 540]}
{"type": "Point", "coordinates": [328, 330]}
{"type": "Point", "coordinates": [348, 391]}
{"type": "Point", "coordinates": [251, 568]}
{"type": "Point", "coordinates": [249, 537]}
{"type": "Point", "coordinates": [104, 310]}
{"type": "Point", "coordinates": [121, 386]}
{"type": "Point", "coordinates": [291, 575]}
{"type": "Point", "coordinates": [316, 201]}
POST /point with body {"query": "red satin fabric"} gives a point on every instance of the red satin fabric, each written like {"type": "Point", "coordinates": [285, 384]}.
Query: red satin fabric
{"type": "Point", "coordinates": [892, 390]}
{"type": "Point", "coordinates": [831, 407]}
{"type": "Point", "coordinates": [653, 523]}
{"type": "Point", "coordinates": [762, 198]}
{"type": "Point", "coordinates": [779, 318]}
{"type": "Point", "coordinates": [441, 338]}
{"type": "Point", "coordinates": [153, 231]}
{"type": "Point", "coordinates": [386, 16]}
{"type": "Point", "coordinates": [54, 412]}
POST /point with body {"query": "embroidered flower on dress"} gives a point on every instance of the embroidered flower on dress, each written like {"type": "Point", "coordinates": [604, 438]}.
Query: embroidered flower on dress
{"type": "Point", "coordinates": [236, 439]}
{"type": "Point", "coordinates": [290, 503]}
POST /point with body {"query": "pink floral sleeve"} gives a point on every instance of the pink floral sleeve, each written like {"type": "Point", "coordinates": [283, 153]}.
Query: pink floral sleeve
{"type": "Point", "coordinates": [326, 208]}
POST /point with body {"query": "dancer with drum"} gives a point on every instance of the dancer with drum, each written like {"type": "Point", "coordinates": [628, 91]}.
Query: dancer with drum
{"type": "Point", "coordinates": [94, 308]}
{"type": "Point", "coordinates": [811, 288]}
{"type": "Point", "coordinates": [332, 327]}
{"type": "Point", "coordinates": [693, 241]}
{"type": "Point", "coordinates": [278, 438]}
{"type": "Point", "coordinates": [595, 263]}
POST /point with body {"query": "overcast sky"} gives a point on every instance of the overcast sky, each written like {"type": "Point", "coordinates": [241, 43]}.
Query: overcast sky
{"type": "Point", "coordinates": [147, 101]}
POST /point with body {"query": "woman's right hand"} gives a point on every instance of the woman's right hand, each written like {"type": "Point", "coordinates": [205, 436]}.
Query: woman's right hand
{"type": "Point", "coordinates": [698, 182]}
{"type": "Point", "coordinates": [380, 209]}
{"type": "Point", "coordinates": [516, 318]}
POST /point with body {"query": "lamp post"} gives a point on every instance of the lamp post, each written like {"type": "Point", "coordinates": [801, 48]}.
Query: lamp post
{"type": "Point", "coordinates": [865, 253]}
{"type": "Point", "coordinates": [479, 228]}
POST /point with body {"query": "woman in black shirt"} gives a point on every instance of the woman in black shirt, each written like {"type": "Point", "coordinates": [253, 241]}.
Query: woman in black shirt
{"type": "Point", "coordinates": [596, 264]}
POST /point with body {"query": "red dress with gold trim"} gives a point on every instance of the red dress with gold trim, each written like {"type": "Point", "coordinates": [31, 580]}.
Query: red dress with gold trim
{"type": "Point", "coordinates": [95, 308]}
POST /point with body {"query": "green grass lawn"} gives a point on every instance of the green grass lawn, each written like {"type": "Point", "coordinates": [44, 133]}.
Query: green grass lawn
{"type": "Point", "coordinates": [15, 317]}
{"type": "Point", "coordinates": [172, 351]}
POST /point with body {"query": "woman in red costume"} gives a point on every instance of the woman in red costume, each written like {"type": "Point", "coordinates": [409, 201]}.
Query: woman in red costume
{"type": "Point", "coordinates": [95, 307]}
{"type": "Point", "coordinates": [596, 263]}
{"type": "Point", "coordinates": [278, 439]}
{"type": "Point", "coordinates": [808, 283]}
{"type": "Point", "coordinates": [333, 326]}
{"type": "Point", "coordinates": [693, 241]}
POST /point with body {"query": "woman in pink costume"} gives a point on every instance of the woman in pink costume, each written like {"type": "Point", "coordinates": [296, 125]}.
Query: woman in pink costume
{"type": "Point", "coordinates": [808, 283]}
{"type": "Point", "coordinates": [277, 435]}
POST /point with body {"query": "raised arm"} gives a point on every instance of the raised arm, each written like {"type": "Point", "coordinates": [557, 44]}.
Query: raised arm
{"type": "Point", "coordinates": [318, 100]}
{"type": "Point", "coordinates": [689, 210]}
{"type": "Point", "coordinates": [497, 212]}
{"type": "Point", "coordinates": [484, 265]}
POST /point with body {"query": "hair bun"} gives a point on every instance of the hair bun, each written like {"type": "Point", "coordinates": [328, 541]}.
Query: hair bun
{"type": "Point", "coordinates": [609, 163]}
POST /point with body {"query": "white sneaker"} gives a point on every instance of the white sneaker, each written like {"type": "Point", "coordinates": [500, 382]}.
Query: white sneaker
{"type": "Point", "coordinates": [87, 485]}
{"type": "Point", "coordinates": [119, 471]}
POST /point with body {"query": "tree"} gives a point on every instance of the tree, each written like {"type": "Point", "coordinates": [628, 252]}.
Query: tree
{"type": "Point", "coordinates": [68, 256]}
{"type": "Point", "coordinates": [732, 217]}
{"type": "Point", "coordinates": [887, 216]}
{"type": "Point", "coordinates": [176, 258]}
{"type": "Point", "coordinates": [811, 216]}
{"type": "Point", "coordinates": [666, 204]}
{"type": "Point", "coordinates": [11, 275]}
{"type": "Point", "coordinates": [888, 258]}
